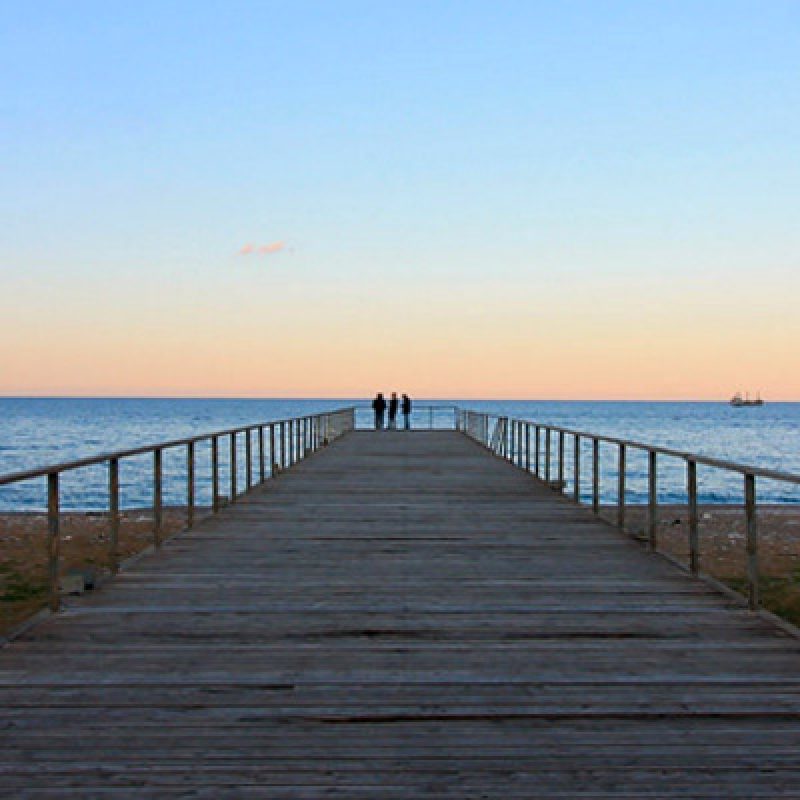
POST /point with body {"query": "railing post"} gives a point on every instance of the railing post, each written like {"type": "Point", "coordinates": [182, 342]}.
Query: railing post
{"type": "Point", "coordinates": [53, 540]}
{"type": "Point", "coordinates": [113, 513]}
{"type": "Point", "coordinates": [233, 467]}
{"type": "Point", "coordinates": [284, 452]}
{"type": "Point", "coordinates": [561, 461]}
{"type": "Point", "coordinates": [576, 470]}
{"type": "Point", "coordinates": [273, 464]}
{"type": "Point", "coordinates": [248, 457]}
{"type": "Point", "coordinates": [547, 448]}
{"type": "Point", "coordinates": [691, 490]}
{"type": "Point", "coordinates": [595, 475]}
{"type": "Point", "coordinates": [652, 499]}
{"type": "Point", "coordinates": [527, 447]}
{"type": "Point", "coordinates": [430, 417]}
{"type": "Point", "coordinates": [520, 455]}
{"type": "Point", "coordinates": [215, 474]}
{"type": "Point", "coordinates": [537, 444]}
{"type": "Point", "coordinates": [754, 599]}
{"type": "Point", "coordinates": [157, 510]}
{"type": "Point", "coordinates": [261, 462]}
{"type": "Point", "coordinates": [621, 488]}
{"type": "Point", "coordinates": [190, 484]}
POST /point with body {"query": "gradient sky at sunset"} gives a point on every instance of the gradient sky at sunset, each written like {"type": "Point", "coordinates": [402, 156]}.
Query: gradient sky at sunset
{"type": "Point", "coordinates": [456, 199]}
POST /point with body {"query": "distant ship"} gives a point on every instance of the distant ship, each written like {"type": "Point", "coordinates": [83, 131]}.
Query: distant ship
{"type": "Point", "coordinates": [738, 401]}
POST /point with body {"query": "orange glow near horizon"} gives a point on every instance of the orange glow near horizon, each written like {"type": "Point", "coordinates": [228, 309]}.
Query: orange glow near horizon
{"type": "Point", "coordinates": [480, 348]}
{"type": "Point", "coordinates": [658, 342]}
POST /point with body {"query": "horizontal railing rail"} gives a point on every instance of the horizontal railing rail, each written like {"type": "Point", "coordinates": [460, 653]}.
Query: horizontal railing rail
{"type": "Point", "coordinates": [279, 444]}
{"type": "Point", "coordinates": [540, 449]}
{"type": "Point", "coordinates": [424, 416]}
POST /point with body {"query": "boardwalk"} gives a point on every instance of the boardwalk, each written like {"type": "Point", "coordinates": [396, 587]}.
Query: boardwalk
{"type": "Point", "coordinates": [401, 616]}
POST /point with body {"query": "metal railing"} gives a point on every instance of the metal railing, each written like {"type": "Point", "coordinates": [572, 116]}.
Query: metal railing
{"type": "Point", "coordinates": [540, 449]}
{"type": "Point", "coordinates": [425, 416]}
{"type": "Point", "coordinates": [278, 445]}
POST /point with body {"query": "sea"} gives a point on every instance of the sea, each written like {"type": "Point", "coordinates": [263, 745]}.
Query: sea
{"type": "Point", "coordinates": [36, 432]}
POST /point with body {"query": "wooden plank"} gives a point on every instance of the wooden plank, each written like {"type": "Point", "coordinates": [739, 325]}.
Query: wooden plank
{"type": "Point", "coordinates": [401, 615]}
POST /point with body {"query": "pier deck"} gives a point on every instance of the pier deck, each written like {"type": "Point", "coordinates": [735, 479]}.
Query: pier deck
{"type": "Point", "coordinates": [402, 615]}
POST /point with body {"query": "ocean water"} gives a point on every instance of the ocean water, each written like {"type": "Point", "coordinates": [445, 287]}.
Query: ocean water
{"type": "Point", "coordinates": [39, 431]}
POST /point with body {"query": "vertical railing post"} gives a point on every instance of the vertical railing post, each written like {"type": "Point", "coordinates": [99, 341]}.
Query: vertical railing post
{"type": "Point", "coordinates": [157, 508]}
{"type": "Point", "coordinates": [595, 475]}
{"type": "Point", "coordinates": [537, 444]}
{"type": "Point", "coordinates": [752, 541]}
{"type": "Point", "coordinates": [518, 443]}
{"type": "Point", "coordinates": [691, 491]}
{"type": "Point", "coordinates": [561, 461]}
{"type": "Point", "coordinates": [233, 467]}
{"type": "Point", "coordinates": [273, 463]}
{"type": "Point", "coordinates": [53, 540]}
{"type": "Point", "coordinates": [527, 447]}
{"type": "Point", "coordinates": [284, 450]}
{"type": "Point", "coordinates": [189, 484]}
{"type": "Point", "coordinates": [652, 499]}
{"type": "Point", "coordinates": [576, 470]}
{"type": "Point", "coordinates": [215, 474]}
{"type": "Point", "coordinates": [113, 513]}
{"type": "Point", "coordinates": [262, 474]}
{"type": "Point", "coordinates": [430, 417]}
{"type": "Point", "coordinates": [248, 457]}
{"type": "Point", "coordinates": [547, 449]}
{"type": "Point", "coordinates": [621, 488]}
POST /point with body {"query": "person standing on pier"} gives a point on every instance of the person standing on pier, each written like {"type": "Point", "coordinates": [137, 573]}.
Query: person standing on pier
{"type": "Point", "coordinates": [393, 412]}
{"type": "Point", "coordinates": [379, 407]}
{"type": "Point", "coordinates": [405, 407]}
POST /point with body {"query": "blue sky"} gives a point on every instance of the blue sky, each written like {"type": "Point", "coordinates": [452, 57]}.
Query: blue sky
{"type": "Point", "coordinates": [524, 152]}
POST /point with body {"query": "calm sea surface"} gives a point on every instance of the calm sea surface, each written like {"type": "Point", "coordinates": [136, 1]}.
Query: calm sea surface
{"type": "Point", "coordinates": [39, 431]}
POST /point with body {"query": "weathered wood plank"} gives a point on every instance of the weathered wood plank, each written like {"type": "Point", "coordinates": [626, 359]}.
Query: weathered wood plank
{"type": "Point", "coordinates": [401, 615]}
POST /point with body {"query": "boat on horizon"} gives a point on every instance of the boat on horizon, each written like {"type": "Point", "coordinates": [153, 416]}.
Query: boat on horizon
{"type": "Point", "coordinates": [737, 401]}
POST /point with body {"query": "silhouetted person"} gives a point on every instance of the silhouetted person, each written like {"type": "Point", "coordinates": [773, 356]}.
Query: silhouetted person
{"type": "Point", "coordinates": [379, 407]}
{"type": "Point", "coordinates": [393, 411]}
{"type": "Point", "coordinates": [405, 407]}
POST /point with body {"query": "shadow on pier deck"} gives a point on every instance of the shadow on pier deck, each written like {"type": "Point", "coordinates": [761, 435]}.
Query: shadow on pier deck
{"type": "Point", "coordinates": [401, 616]}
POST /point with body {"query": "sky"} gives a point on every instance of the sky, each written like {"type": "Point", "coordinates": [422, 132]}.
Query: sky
{"type": "Point", "coordinates": [567, 200]}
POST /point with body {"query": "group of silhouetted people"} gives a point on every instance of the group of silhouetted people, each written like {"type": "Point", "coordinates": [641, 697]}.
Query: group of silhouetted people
{"type": "Point", "coordinates": [379, 406]}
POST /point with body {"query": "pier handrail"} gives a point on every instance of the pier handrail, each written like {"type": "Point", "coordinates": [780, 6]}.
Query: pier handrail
{"type": "Point", "coordinates": [286, 440]}
{"type": "Point", "coordinates": [510, 438]}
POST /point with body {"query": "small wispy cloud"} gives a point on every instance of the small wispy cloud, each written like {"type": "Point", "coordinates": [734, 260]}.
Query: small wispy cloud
{"type": "Point", "coordinates": [273, 247]}
{"type": "Point", "coordinates": [250, 249]}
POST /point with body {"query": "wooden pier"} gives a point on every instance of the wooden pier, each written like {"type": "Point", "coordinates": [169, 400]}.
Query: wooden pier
{"type": "Point", "coordinates": [401, 615]}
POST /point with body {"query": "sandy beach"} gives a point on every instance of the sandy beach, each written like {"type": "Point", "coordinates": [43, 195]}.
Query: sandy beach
{"type": "Point", "coordinates": [84, 546]}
